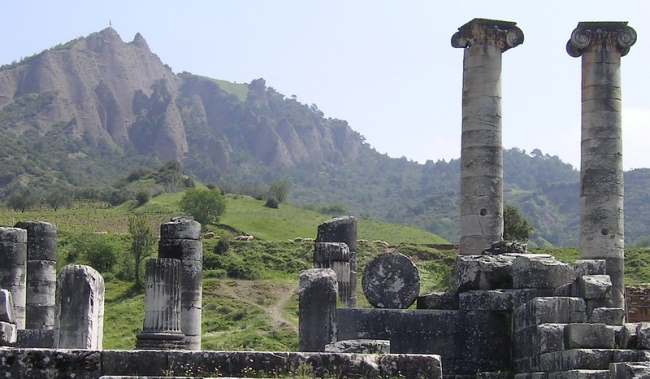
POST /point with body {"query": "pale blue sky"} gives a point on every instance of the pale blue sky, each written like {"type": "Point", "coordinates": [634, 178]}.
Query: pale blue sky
{"type": "Point", "coordinates": [386, 67]}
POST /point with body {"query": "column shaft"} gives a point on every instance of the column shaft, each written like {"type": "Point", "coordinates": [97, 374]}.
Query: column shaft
{"type": "Point", "coordinates": [13, 270]}
{"type": "Point", "coordinates": [162, 306]}
{"type": "Point", "coordinates": [316, 309]}
{"type": "Point", "coordinates": [601, 45]}
{"type": "Point", "coordinates": [481, 158]}
{"type": "Point", "coordinates": [336, 255]}
{"type": "Point", "coordinates": [180, 239]}
{"type": "Point", "coordinates": [481, 186]}
{"type": "Point", "coordinates": [80, 308]}
{"type": "Point", "coordinates": [343, 229]}
{"type": "Point", "coordinates": [41, 274]}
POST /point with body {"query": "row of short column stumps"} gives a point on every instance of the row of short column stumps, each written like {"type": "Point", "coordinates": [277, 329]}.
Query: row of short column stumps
{"type": "Point", "coordinates": [40, 310]}
{"type": "Point", "coordinates": [67, 341]}
{"type": "Point", "coordinates": [37, 309]}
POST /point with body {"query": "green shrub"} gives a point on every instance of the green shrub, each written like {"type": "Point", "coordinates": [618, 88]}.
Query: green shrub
{"type": "Point", "coordinates": [214, 274]}
{"type": "Point", "coordinates": [204, 205]}
{"type": "Point", "coordinates": [271, 202]}
{"type": "Point", "coordinates": [59, 198]}
{"type": "Point", "coordinates": [516, 227]}
{"type": "Point", "coordinates": [234, 266]}
{"type": "Point", "coordinates": [222, 246]}
{"type": "Point", "coordinates": [142, 197]}
{"type": "Point", "coordinates": [22, 199]}
{"type": "Point", "coordinates": [279, 191]}
{"type": "Point", "coordinates": [119, 196]}
{"type": "Point", "coordinates": [99, 252]}
{"type": "Point", "coordinates": [240, 269]}
{"type": "Point", "coordinates": [333, 210]}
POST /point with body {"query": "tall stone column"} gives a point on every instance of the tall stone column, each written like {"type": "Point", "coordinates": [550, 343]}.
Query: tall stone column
{"type": "Point", "coordinates": [481, 171]}
{"type": "Point", "coordinates": [343, 229]}
{"type": "Point", "coordinates": [317, 295]}
{"type": "Point", "coordinates": [80, 308]}
{"type": "Point", "coordinates": [601, 46]}
{"type": "Point", "coordinates": [13, 273]}
{"type": "Point", "coordinates": [162, 306]}
{"type": "Point", "coordinates": [180, 239]}
{"type": "Point", "coordinates": [41, 274]}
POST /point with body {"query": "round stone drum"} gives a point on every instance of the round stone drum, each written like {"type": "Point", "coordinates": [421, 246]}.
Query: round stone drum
{"type": "Point", "coordinates": [391, 280]}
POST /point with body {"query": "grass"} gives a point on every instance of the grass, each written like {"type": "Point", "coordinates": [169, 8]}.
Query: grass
{"type": "Point", "coordinates": [290, 222]}
{"type": "Point", "coordinates": [238, 89]}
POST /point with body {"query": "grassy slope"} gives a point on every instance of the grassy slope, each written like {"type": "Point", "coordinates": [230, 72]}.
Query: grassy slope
{"type": "Point", "coordinates": [238, 314]}
{"type": "Point", "coordinates": [258, 314]}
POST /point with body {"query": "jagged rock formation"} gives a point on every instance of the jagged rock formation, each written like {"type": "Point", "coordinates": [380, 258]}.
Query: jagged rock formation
{"type": "Point", "coordinates": [120, 96]}
{"type": "Point", "coordinates": [104, 90]}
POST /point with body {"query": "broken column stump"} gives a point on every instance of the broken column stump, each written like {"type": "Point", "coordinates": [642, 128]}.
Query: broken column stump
{"type": "Point", "coordinates": [391, 280]}
{"type": "Point", "coordinates": [317, 295]}
{"type": "Point", "coordinates": [343, 229]}
{"type": "Point", "coordinates": [13, 270]}
{"type": "Point", "coordinates": [162, 306]}
{"type": "Point", "coordinates": [336, 255]}
{"type": "Point", "coordinates": [41, 274]}
{"type": "Point", "coordinates": [180, 239]}
{"type": "Point", "coordinates": [80, 308]}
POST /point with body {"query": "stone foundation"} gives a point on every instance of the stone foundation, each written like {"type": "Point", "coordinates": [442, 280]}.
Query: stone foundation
{"type": "Point", "coordinates": [92, 364]}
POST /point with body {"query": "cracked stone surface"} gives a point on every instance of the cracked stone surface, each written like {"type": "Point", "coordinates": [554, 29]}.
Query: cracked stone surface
{"type": "Point", "coordinates": [391, 280]}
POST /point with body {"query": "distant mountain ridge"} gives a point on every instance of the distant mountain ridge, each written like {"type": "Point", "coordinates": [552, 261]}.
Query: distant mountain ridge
{"type": "Point", "coordinates": [86, 112]}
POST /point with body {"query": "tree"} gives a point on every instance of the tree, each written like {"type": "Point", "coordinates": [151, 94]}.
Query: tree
{"type": "Point", "coordinates": [515, 226]}
{"type": "Point", "coordinates": [272, 203]}
{"type": "Point", "coordinates": [22, 199]}
{"type": "Point", "coordinates": [222, 246]}
{"type": "Point", "coordinates": [204, 205]}
{"type": "Point", "coordinates": [170, 175]}
{"type": "Point", "coordinates": [59, 198]}
{"type": "Point", "coordinates": [279, 191]}
{"type": "Point", "coordinates": [142, 197]}
{"type": "Point", "coordinates": [142, 241]}
{"type": "Point", "coordinates": [98, 251]}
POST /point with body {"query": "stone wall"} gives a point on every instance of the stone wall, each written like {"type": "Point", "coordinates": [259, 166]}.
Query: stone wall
{"type": "Point", "coordinates": [92, 364]}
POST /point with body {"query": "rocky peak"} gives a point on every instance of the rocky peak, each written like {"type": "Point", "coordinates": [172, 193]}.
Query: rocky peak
{"type": "Point", "coordinates": [95, 80]}
{"type": "Point", "coordinates": [104, 38]}
{"type": "Point", "coordinates": [140, 42]}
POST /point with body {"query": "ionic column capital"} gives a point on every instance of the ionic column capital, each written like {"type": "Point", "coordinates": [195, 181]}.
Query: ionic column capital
{"type": "Point", "coordinates": [502, 34]}
{"type": "Point", "coordinates": [606, 35]}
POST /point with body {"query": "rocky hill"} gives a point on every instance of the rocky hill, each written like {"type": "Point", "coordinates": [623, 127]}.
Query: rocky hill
{"type": "Point", "coordinates": [83, 113]}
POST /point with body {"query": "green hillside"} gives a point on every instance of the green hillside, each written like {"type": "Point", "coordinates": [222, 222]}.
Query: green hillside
{"type": "Point", "coordinates": [249, 298]}
{"type": "Point", "coordinates": [249, 291]}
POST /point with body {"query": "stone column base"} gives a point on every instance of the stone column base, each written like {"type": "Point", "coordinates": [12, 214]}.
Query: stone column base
{"type": "Point", "coordinates": [160, 341]}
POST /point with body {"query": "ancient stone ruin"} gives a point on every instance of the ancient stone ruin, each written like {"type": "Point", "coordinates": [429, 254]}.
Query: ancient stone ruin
{"type": "Point", "coordinates": [508, 314]}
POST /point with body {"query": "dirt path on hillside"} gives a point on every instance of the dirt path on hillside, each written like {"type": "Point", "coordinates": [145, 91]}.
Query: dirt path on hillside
{"type": "Point", "coordinates": [276, 311]}
{"type": "Point", "coordinates": [281, 295]}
